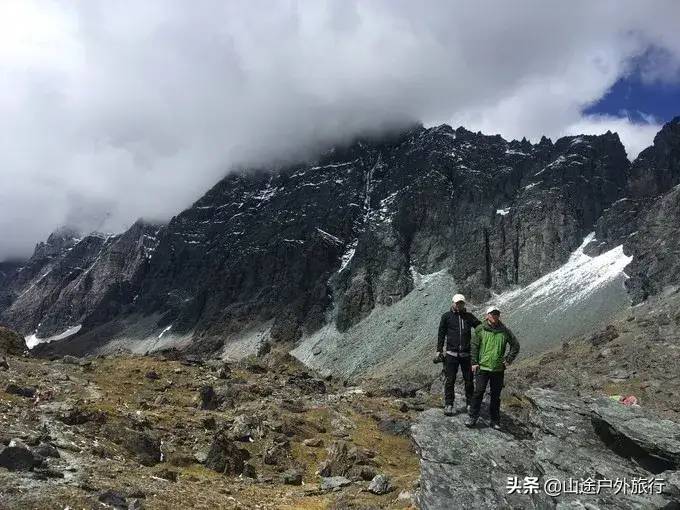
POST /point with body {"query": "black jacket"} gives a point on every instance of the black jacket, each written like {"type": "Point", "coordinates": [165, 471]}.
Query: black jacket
{"type": "Point", "coordinates": [457, 328]}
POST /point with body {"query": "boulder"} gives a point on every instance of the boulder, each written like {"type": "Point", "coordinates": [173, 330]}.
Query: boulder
{"type": "Point", "coordinates": [291, 477]}
{"type": "Point", "coordinates": [225, 456]}
{"type": "Point", "coordinates": [632, 433]}
{"type": "Point", "coordinates": [380, 484]}
{"type": "Point", "coordinates": [113, 499]}
{"type": "Point", "coordinates": [152, 375]}
{"type": "Point", "coordinates": [342, 457]}
{"type": "Point", "coordinates": [46, 450]}
{"type": "Point", "coordinates": [333, 482]}
{"type": "Point", "coordinates": [395, 426]}
{"type": "Point", "coordinates": [208, 398]}
{"type": "Point", "coordinates": [11, 342]}
{"type": "Point", "coordinates": [276, 451]}
{"type": "Point", "coordinates": [22, 391]}
{"type": "Point", "coordinates": [145, 447]}
{"type": "Point", "coordinates": [17, 457]}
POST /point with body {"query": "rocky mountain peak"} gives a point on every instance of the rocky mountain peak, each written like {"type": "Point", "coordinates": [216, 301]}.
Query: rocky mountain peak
{"type": "Point", "coordinates": [657, 168]}
{"type": "Point", "coordinates": [290, 249]}
{"type": "Point", "coordinates": [57, 243]}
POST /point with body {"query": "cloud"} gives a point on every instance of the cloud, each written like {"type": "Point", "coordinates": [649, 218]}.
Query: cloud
{"type": "Point", "coordinates": [116, 110]}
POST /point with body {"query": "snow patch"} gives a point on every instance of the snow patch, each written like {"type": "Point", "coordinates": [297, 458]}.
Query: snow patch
{"type": "Point", "coordinates": [515, 152]}
{"type": "Point", "coordinates": [348, 255]}
{"type": "Point", "coordinates": [334, 165]}
{"type": "Point", "coordinates": [557, 162]}
{"type": "Point", "coordinates": [329, 237]}
{"type": "Point", "coordinates": [574, 282]}
{"type": "Point", "coordinates": [165, 331]}
{"type": "Point", "coordinates": [33, 340]}
{"type": "Point", "coordinates": [503, 212]}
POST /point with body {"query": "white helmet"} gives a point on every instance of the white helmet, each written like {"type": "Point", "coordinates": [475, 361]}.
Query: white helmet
{"type": "Point", "coordinates": [458, 297]}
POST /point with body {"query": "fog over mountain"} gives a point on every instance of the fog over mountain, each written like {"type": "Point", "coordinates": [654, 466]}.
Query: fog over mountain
{"type": "Point", "coordinates": [117, 110]}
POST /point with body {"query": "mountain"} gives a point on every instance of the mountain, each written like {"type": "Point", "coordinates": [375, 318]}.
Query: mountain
{"type": "Point", "coordinates": [77, 280]}
{"type": "Point", "coordinates": [337, 245]}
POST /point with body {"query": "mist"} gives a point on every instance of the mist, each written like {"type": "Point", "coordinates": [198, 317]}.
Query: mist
{"type": "Point", "coordinates": [113, 111]}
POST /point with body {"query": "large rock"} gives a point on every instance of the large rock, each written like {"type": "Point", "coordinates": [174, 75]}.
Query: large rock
{"type": "Point", "coordinates": [145, 447]}
{"type": "Point", "coordinates": [11, 342]}
{"type": "Point", "coordinates": [341, 458]}
{"type": "Point", "coordinates": [380, 484]}
{"type": "Point", "coordinates": [225, 456]}
{"type": "Point", "coordinates": [556, 437]}
{"type": "Point", "coordinates": [654, 443]}
{"type": "Point", "coordinates": [17, 457]}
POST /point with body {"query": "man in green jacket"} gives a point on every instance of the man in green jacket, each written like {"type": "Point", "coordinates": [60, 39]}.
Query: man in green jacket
{"type": "Point", "coordinates": [489, 359]}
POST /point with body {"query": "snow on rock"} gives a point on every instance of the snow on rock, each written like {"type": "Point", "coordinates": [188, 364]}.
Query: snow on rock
{"type": "Point", "coordinates": [515, 152]}
{"type": "Point", "coordinates": [503, 212]}
{"type": "Point", "coordinates": [329, 237]}
{"type": "Point", "coordinates": [584, 292]}
{"type": "Point", "coordinates": [33, 340]}
{"type": "Point", "coordinates": [348, 255]}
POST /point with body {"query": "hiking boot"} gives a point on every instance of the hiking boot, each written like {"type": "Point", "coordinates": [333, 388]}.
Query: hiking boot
{"type": "Point", "coordinates": [470, 422]}
{"type": "Point", "coordinates": [465, 409]}
{"type": "Point", "coordinates": [448, 410]}
{"type": "Point", "coordinates": [495, 425]}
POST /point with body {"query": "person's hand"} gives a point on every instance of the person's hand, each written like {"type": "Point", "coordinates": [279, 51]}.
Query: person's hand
{"type": "Point", "coordinates": [475, 368]}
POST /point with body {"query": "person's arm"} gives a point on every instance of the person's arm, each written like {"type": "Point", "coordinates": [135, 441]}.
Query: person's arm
{"type": "Point", "coordinates": [514, 347]}
{"type": "Point", "coordinates": [473, 320]}
{"type": "Point", "coordinates": [474, 347]}
{"type": "Point", "coordinates": [442, 334]}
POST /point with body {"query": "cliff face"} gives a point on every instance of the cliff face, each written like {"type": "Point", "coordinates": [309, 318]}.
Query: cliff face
{"type": "Point", "coordinates": [73, 281]}
{"type": "Point", "coordinates": [330, 240]}
{"type": "Point", "coordinates": [646, 221]}
{"type": "Point", "coordinates": [352, 228]}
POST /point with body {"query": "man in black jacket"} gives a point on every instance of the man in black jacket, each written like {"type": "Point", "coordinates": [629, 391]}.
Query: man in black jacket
{"type": "Point", "coordinates": [455, 330]}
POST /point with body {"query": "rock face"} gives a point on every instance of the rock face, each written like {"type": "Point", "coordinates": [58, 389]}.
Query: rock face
{"type": "Point", "coordinates": [646, 221]}
{"type": "Point", "coordinates": [72, 280]}
{"type": "Point", "coordinates": [555, 437]}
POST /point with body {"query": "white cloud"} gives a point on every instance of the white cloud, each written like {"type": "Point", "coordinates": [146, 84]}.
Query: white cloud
{"type": "Point", "coordinates": [115, 110]}
{"type": "Point", "coordinates": [634, 135]}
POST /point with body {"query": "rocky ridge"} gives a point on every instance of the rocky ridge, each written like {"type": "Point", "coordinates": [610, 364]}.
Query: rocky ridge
{"type": "Point", "coordinates": [330, 240]}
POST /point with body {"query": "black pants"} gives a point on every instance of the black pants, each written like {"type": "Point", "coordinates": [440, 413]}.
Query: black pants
{"type": "Point", "coordinates": [451, 365]}
{"type": "Point", "coordinates": [495, 380]}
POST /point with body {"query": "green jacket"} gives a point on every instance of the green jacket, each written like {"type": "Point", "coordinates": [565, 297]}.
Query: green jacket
{"type": "Point", "coordinates": [488, 346]}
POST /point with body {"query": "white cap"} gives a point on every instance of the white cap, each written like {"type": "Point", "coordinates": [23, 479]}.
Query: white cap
{"type": "Point", "coordinates": [492, 309]}
{"type": "Point", "coordinates": [458, 297]}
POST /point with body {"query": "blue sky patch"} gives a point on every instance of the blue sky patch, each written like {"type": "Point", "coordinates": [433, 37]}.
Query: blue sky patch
{"type": "Point", "coordinates": [637, 99]}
